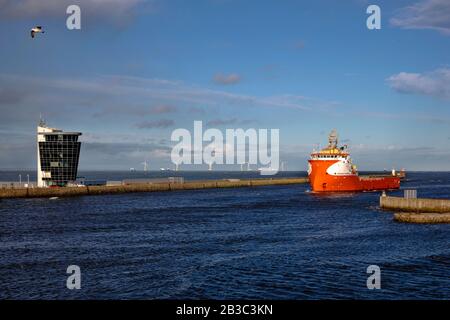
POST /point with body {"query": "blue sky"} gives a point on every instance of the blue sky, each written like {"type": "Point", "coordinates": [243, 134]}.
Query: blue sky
{"type": "Point", "coordinates": [139, 69]}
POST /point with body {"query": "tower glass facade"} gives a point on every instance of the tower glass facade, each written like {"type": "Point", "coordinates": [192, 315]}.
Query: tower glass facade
{"type": "Point", "coordinates": [58, 156]}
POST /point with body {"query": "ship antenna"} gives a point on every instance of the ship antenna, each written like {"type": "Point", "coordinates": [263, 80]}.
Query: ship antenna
{"type": "Point", "coordinates": [41, 121]}
{"type": "Point", "coordinates": [333, 139]}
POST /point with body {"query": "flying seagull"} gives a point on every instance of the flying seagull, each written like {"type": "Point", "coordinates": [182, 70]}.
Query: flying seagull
{"type": "Point", "coordinates": [37, 29]}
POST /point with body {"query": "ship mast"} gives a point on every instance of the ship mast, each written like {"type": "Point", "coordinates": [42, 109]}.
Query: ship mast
{"type": "Point", "coordinates": [333, 140]}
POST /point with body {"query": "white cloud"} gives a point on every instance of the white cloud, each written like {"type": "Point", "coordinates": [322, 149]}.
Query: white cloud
{"type": "Point", "coordinates": [426, 14]}
{"type": "Point", "coordinates": [435, 83]}
{"type": "Point", "coordinates": [106, 93]}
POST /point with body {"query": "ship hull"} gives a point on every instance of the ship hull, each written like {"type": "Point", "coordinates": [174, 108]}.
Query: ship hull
{"type": "Point", "coordinates": [321, 181]}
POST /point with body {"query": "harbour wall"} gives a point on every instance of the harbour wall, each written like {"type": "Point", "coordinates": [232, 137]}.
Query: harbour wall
{"type": "Point", "coordinates": [419, 205]}
{"type": "Point", "coordinates": [422, 217]}
{"type": "Point", "coordinates": [145, 187]}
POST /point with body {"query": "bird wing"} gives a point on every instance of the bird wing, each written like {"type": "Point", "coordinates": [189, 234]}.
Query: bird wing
{"type": "Point", "coordinates": [32, 33]}
{"type": "Point", "coordinates": [38, 27]}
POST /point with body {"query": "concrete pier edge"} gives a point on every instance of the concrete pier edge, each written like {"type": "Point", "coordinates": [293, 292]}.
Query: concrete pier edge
{"type": "Point", "coordinates": [423, 218]}
{"type": "Point", "coordinates": [417, 205]}
{"type": "Point", "coordinates": [147, 187]}
{"type": "Point", "coordinates": [417, 210]}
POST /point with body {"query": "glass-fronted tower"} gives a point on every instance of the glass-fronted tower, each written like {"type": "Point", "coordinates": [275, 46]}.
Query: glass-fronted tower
{"type": "Point", "coordinates": [58, 153]}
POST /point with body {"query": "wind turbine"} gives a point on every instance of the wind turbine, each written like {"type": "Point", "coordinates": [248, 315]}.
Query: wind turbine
{"type": "Point", "coordinates": [210, 164]}
{"type": "Point", "coordinates": [145, 163]}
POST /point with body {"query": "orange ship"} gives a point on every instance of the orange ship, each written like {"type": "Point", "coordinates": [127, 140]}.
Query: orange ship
{"type": "Point", "coordinates": [331, 169]}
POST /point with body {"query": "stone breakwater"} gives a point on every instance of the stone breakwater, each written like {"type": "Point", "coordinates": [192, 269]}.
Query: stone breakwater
{"type": "Point", "coordinates": [422, 217]}
{"type": "Point", "coordinates": [144, 187]}
{"type": "Point", "coordinates": [415, 205]}
{"type": "Point", "coordinates": [417, 210]}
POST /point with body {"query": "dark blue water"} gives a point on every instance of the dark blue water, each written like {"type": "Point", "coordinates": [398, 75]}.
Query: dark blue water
{"type": "Point", "coordinates": [276, 242]}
